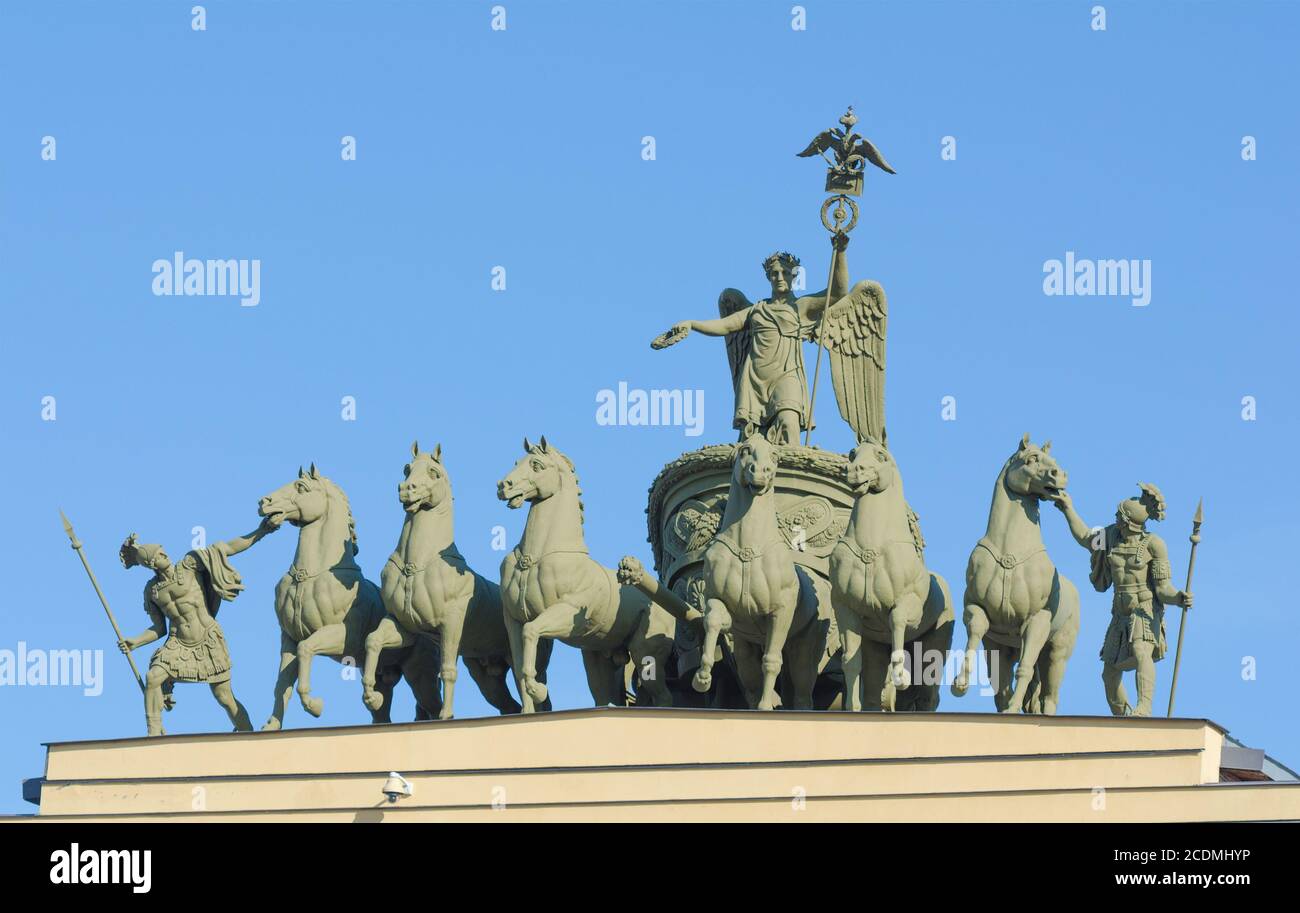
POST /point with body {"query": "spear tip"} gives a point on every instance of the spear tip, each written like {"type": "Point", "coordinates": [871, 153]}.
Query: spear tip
{"type": "Point", "coordinates": [1200, 512]}
{"type": "Point", "coordinates": [67, 526]}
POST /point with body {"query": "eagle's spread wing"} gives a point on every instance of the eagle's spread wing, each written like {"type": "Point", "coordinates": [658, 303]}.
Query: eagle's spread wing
{"type": "Point", "coordinates": [854, 333]}
{"type": "Point", "coordinates": [867, 150]}
{"type": "Point", "coordinates": [730, 301]}
{"type": "Point", "coordinates": [821, 142]}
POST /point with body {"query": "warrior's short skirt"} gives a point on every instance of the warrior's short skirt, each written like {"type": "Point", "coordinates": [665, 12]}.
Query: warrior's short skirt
{"type": "Point", "coordinates": [1126, 630]}
{"type": "Point", "coordinates": [205, 661]}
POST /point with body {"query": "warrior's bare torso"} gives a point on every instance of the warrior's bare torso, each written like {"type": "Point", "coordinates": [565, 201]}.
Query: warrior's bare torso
{"type": "Point", "coordinates": [1130, 563]}
{"type": "Point", "coordinates": [178, 595]}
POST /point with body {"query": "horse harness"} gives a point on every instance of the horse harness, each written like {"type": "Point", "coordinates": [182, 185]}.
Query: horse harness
{"type": "Point", "coordinates": [526, 562]}
{"type": "Point", "coordinates": [410, 570]}
{"type": "Point", "coordinates": [868, 556]}
{"type": "Point", "coordinates": [1008, 562]}
{"type": "Point", "coordinates": [746, 556]}
{"type": "Point", "coordinates": [298, 576]}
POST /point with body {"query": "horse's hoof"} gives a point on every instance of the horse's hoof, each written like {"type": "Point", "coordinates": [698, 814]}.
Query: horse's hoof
{"type": "Point", "coordinates": [536, 690]}
{"type": "Point", "coordinates": [313, 705]}
{"type": "Point", "coordinates": [271, 725]}
{"type": "Point", "coordinates": [902, 680]}
{"type": "Point", "coordinates": [445, 714]}
{"type": "Point", "coordinates": [702, 681]}
{"type": "Point", "coordinates": [960, 686]}
{"type": "Point", "coordinates": [766, 704]}
{"type": "Point", "coordinates": [373, 700]}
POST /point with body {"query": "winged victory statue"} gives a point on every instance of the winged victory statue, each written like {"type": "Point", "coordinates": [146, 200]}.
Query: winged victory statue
{"type": "Point", "coordinates": [765, 338]}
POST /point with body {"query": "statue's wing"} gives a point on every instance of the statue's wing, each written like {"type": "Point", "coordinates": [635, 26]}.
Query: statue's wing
{"type": "Point", "coordinates": [854, 332]}
{"type": "Point", "coordinates": [867, 150]}
{"type": "Point", "coordinates": [821, 142]}
{"type": "Point", "coordinates": [730, 301]}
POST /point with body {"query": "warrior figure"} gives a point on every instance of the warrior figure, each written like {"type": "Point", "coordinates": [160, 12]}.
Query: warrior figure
{"type": "Point", "coordinates": [182, 601]}
{"type": "Point", "coordinates": [1136, 563]}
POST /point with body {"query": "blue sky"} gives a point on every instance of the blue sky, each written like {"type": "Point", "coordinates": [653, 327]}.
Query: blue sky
{"type": "Point", "coordinates": [522, 148]}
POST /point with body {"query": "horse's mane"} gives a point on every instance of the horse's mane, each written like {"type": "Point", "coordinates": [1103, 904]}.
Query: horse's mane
{"type": "Point", "coordinates": [334, 490]}
{"type": "Point", "coordinates": [1002, 474]}
{"type": "Point", "coordinates": [552, 450]}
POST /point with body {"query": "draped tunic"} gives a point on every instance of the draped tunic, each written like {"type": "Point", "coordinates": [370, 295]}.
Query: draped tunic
{"type": "Point", "coordinates": [772, 376]}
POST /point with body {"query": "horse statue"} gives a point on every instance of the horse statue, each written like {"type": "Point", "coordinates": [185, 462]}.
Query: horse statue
{"type": "Point", "coordinates": [754, 589]}
{"type": "Point", "coordinates": [1017, 603]}
{"type": "Point", "coordinates": [428, 588]}
{"type": "Point", "coordinates": [883, 595]}
{"type": "Point", "coordinates": [551, 588]}
{"type": "Point", "coordinates": [325, 604]}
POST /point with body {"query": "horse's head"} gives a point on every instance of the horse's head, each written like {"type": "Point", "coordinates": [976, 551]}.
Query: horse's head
{"type": "Point", "coordinates": [539, 474]}
{"type": "Point", "coordinates": [753, 466]}
{"type": "Point", "coordinates": [871, 469]}
{"type": "Point", "coordinates": [302, 501]}
{"type": "Point", "coordinates": [1031, 472]}
{"type": "Point", "coordinates": [425, 483]}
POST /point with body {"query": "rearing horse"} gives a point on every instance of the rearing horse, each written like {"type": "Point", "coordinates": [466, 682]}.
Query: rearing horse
{"type": "Point", "coordinates": [552, 589]}
{"type": "Point", "coordinates": [882, 592]}
{"type": "Point", "coordinates": [428, 588]}
{"type": "Point", "coordinates": [1017, 603]}
{"type": "Point", "coordinates": [325, 604]}
{"type": "Point", "coordinates": [754, 588]}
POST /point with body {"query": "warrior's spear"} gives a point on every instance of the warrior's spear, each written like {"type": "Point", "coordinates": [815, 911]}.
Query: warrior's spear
{"type": "Point", "coordinates": [76, 544]}
{"type": "Point", "coordinates": [1195, 539]}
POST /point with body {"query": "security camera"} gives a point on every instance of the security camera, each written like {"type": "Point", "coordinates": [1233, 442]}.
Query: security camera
{"type": "Point", "coordinates": [397, 786]}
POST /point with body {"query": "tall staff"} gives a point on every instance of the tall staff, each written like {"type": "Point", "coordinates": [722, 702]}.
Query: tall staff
{"type": "Point", "coordinates": [839, 213]}
{"type": "Point", "coordinates": [1195, 539]}
{"type": "Point", "coordinates": [76, 545]}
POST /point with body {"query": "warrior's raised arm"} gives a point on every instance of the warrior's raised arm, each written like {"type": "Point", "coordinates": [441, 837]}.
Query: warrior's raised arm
{"type": "Point", "coordinates": [242, 543]}
{"type": "Point", "coordinates": [1079, 529]}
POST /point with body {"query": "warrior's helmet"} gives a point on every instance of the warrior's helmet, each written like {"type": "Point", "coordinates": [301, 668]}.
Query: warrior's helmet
{"type": "Point", "coordinates": [1132, 515]}
{"type": "Point", "coordinates": [1153, 500]}
{"type": "Point", "coordinates": [134, 552]}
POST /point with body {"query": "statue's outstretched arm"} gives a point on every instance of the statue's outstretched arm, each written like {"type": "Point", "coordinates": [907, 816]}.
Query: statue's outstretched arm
{"type": "Point", "coordinates": [242, 543]}
{"type": "Point", "coordinates": [1081, 531]}
{"type": "Point", "coordinates": [722, 326]}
